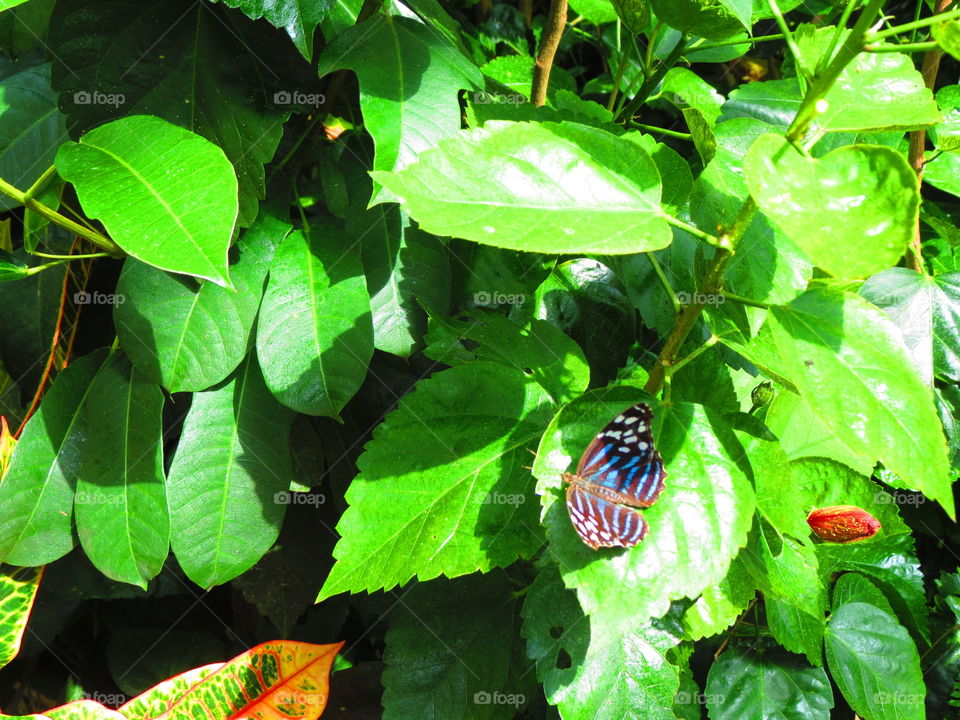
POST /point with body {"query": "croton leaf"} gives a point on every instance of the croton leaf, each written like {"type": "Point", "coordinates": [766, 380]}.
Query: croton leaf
{"type": "Point", "coordinates": [18, 589]}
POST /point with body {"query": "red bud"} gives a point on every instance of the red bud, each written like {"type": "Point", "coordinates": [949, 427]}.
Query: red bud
{"type": "Point", "coordinates": [843, 523]}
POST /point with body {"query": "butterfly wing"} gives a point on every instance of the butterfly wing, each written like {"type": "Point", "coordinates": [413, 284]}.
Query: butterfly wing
{"type": "Point", "coordinates": [622, 460]}
{"type": "Point", "coordinates": [601, 523]}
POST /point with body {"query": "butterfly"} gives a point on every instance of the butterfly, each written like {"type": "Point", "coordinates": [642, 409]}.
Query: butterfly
{"type": "Point", "coordinates": [619, 471]}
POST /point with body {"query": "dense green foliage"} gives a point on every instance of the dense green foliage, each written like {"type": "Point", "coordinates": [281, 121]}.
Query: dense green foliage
{"type": "Point", "coordinates": [305, 308]}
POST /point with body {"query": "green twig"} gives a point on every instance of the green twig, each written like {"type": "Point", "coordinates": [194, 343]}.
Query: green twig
{"type": "Point", "coordinates": [651, 82]}
{"type": "Point", "coordinates": [658, 269]}
{"type": "Point", "coordinates": [40, 183]}
{"type": "Point", "coordinates": [695, 231]}
{"type": "Point", "coordinates": [802, 71]}
{"type": "Point", "coordinates": [711, 341]}
{"type": "Point", "coordinates": [729, 43]}
{"type": "Point", "coordinates": [55, 217]}
{"type": "Point", "coordinates": [910, 26]}
{"type": "Point", "coordinates": [905, 47]}
{"type": "Point", "coordinates": [746, 301]}
{"type": "Point", "coordinates": [662, 131]}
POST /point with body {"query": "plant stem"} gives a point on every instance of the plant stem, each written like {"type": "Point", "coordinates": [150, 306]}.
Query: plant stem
{"type": "Point", "coordinates": [695, 231]}
{"type": "Point", "coordinates": [41, 182]}
{"type": "Point", "coordinates": [802, 71]}
{"type": "Point", "coordinates": [918, 142]}
{"type": "Point", "coordinates": [68, 258]}
{"type": "Point", "coordinates": [728, 43]}
{"type": "Point", "coordinates": [905, 47]}
{"type": "Point", "coordinates": [658, 269]}
{"type": "Point", "coordinates": [621, 68]}
{"type": "Point", "coordinates": [662, 131]}
{"type": "Point", "coordinates": [656, 77]}
{"type": "Point", "coordinates": [746, 301]}
{"type": "Point", "coordinates": [55, 217]}
{"type": "Point", "coordinates": [916, 25]}
{"type": "Point", "coordinates": [552, 33]}
{"type": "Point", "coordinates": [711, 341]}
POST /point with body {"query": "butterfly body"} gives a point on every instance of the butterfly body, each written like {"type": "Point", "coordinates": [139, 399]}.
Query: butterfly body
{"type": "Point", "coordinates": [619, 472]}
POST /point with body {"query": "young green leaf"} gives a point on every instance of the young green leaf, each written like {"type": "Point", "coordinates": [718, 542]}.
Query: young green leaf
{"type": "Point", "coordinates": [298, 17]}
{"type": "Point", "coordinates": [121, 505]}
{"type": "Point", "coordinates": [166, 196]}
{"type": "Point", "coordinates": [852, 211]}
{"type": "Point", "coordinates": [315, 335]}
{"type": "Point", "coordinates": [582, 190]}
{"type": "Point", "coordinates": [840, 350]}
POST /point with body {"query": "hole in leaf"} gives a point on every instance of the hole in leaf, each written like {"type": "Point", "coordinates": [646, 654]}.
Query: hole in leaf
{"type": "Point", "coordinates": [564, 660]}
{"type": "Point", "coordinates": [556, 631]}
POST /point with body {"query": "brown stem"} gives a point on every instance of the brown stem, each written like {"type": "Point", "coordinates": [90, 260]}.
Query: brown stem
{"type": "Point", "coordinates": [918, 139]}
{"type": "Point", "coordinates": [548, 49]}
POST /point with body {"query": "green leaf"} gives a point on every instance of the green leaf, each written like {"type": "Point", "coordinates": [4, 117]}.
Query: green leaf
{"type": "Point", "coordinates": [7, 4]}
{"type": "Point", "coordinates": [852, 211]}
{"type": "Point", "coordinates": [583, 190]}
{"type": "Point", "coordinates": [685, 89]}
{"type": "Point", "coordinates": [166, 196]}
{"type": "Point", "coordinates": [409, 79]}
{"type": "Point", "coordinates": [635, 14]}
{"type": "Point", "coordinates": [298, 17]}
{"type": "Point", "coordinates": [453, 652]}
{"type": "Point", "coordinates": [121, 505]}
{"type": "Point", "coordinates": [696, 527]}
{"type": "Point", "coordinates": [719, 606]}
{"type": "Point", "coordinates": [516, 71]}
{"type": "Point", "coordinates": [205, 72]}
{"type": "Point", "coordinates": [946, 133]}
{"type": "Point", "coordinates": [31, 127]}
{"type": "Point", "coordinates": [228, 479]}
{"type": "Point", "coordinates": [37, 491]}
{"type": "Point", "coordinates": [712, 19]}
{"type": "Point", "coordinates": [168, 324]}
{"type": "Point", "coordinates": [853, 587]}
{"type": "Point", "coordinates": [441, 488]}
{"type": "Point", "coordinates": [947, 35]}
{"type": "Point", "coordinates": [541, 351]}
{"type": "Point", "coordinates": [314, 335]}
{"type": "Point", "coordinates": [12, 267]}
{"type": "Point", "coordinates": [927, 311]}
{"type": "Point", "coordinates": [839, 349]}
{"type": "Point", "coordinates": [749, 682]}
{"type": "Point", "coordinates": [598, 667]}
{"type": "Point", "coordinates": [701, 131]}
{"type": "Point", "coordinates": [18, 590]}
{"type": "Point", "coordinates": [875, 663]}
{"type": "Point", "coordinates": [596, 11]}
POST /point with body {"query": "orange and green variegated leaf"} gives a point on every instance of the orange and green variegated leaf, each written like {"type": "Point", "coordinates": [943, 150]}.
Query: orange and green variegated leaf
{"type": "Point", "coordinates": [18, 588]}
{"type": "Point", "coordinates": [7, 443]}
{"type": "Point", "coordinates": [278, 680]}
{"type": "Point", "coordinates": [161, 697]}
{"type": "Point", "coordinates": [83, 710]}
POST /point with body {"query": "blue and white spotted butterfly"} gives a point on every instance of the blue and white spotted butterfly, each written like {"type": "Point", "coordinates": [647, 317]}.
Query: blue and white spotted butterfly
{"type": "Point", "coordinates": [620, 471]}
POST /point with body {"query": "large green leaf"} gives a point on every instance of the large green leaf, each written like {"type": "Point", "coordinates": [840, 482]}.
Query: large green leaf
{"type": "Point", "coordinates": [410, 78]}
{"type": "Point", "coordinates": [927, 311]}
{"type": "Point", "coordinates": [441, 488]}
{"type": "Point", "coordinates": [227, 483]}
{"type": "Point", "coordinates": [298, 17]}
{"type": "Point", "coordinates": [168, 325]}
{"type": "Point", "coordinates": [541, 187]}
{"type": "Point", "coordinates": [121, 504]}
{"type": "Point", "coordinates": [168, 197]}
{"type": "Point", "coordinates": [875, 663]}
{"type": "Point", "coordinates": [204, 72]}
{"type": "Point", "coordinates": [18, 590]}
{"type": "Point", "coordinates": [453, 651]}
{"type": "Point", "coordinates": [719, 606]}
{"type": "Point", "coordinates": [31, 128]}
{"type": "Point", "coordinates": [851, 366]}
{"type": "Point", "coordinates": [37, 491]}
{"type": "Point", "coordinates": [852, 211]}
{"type": "Point", "coordinates": [598, 667]}
{"type": "Point", "coordinates": [767, 684]}
{"type": "Point", "coordinates": [314, 335]}
{"type": "Point", "coordinates": [696, 527]}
